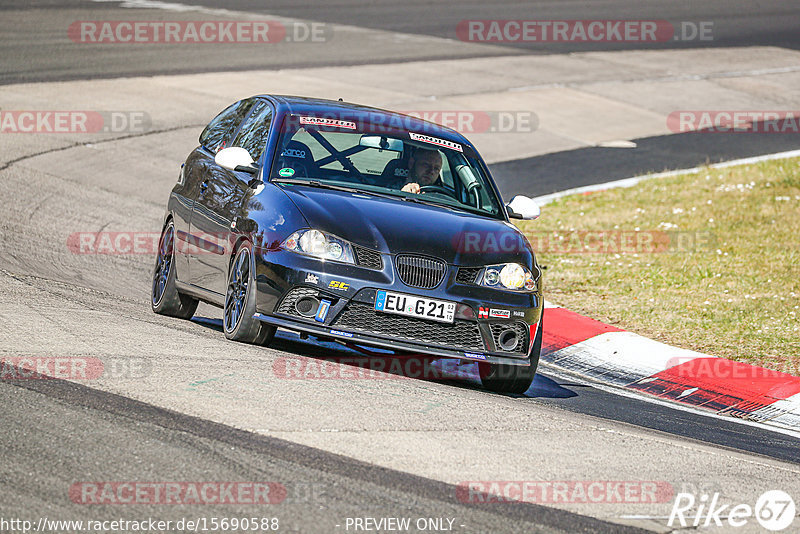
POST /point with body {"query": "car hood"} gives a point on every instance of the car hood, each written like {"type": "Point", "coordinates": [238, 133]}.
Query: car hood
{"type": "Point", "coordinates": [395, 226]}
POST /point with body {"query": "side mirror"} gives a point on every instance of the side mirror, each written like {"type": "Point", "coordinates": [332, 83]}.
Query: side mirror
{"type": "Point", "coordinates": [235, 158]}
{"type": "Point", "coordinates": [522, 207]}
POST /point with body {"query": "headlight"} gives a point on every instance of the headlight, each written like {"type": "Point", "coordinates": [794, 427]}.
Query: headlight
{"type": "Point", "coordinates": [509, 276]}
{"type": "Point", "coordinates": [319, 245]}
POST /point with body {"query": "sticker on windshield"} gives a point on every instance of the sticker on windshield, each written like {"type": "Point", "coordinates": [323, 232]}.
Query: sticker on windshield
{"type": "Point", "coordinates": [294, 153]}
{"type": "Point", "coordinates": [435, 141]}
{"type": "Point", "coordinates": [321, 121]}
{"type": "Point", "coordinates": [286, 172]}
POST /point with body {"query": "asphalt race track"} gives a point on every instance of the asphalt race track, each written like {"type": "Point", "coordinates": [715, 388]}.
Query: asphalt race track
{"type": "Point", "coordinates": [186, 405]}
{"type": "Point", "coordinates": [25, 58]}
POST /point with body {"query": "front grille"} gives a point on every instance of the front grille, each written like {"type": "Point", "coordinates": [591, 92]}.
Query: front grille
{"type": "Point", "coordinates": [522, 335]}
{"type": "Point", "coordinates": [361, 317]}
{"type": "Point", "coordinates": [287, 304]}
{"type": "Point", "coordinates": [419, 271]}
{"type": "Point", "coordinates": [467, 275]}
{"type": "Point", "coordinates": [371, 259]}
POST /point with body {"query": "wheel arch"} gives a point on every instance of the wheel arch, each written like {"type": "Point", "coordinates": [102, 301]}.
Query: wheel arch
{"type": "Point", "coordinates": [236, 246]}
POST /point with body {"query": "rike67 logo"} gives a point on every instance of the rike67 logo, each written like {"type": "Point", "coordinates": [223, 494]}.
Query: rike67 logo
{"type": "Point", "coordinates": [774, 510]}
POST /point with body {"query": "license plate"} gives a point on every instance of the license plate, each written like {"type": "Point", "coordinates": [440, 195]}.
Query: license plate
{"type": "Point", "coordinates": [414, 306]}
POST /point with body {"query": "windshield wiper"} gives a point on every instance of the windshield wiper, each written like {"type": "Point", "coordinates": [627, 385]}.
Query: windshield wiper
{"type": "Point", "coordinates": [416, 198]}
{"type": "Point", "coordinates": [315, 183]}
{"type": "Point", "coordinates": [452, 207]}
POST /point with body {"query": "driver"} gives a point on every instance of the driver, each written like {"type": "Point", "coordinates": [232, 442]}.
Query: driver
{"type": "Point", "coordinates": [424, 168]}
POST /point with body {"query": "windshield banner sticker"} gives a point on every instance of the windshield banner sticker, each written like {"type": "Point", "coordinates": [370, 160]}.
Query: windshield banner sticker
{"type": "Point", "coordinates": [321, 121]}
{"type": "Point", "coordinates": [435, 141]}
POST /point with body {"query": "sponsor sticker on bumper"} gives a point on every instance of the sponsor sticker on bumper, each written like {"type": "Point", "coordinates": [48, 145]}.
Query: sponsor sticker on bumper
{"type": "Point", "coordinates": [322, 312]}
{"type": "Point", "coordinates": [340, 333]}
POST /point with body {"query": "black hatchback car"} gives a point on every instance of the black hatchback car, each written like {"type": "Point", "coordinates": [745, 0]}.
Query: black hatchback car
{"type": "Point", "coordinates": [355, 224]}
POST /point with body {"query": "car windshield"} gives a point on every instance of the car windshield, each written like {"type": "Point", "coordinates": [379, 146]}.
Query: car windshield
{"type": "Point", "coordinates": [333, 152]}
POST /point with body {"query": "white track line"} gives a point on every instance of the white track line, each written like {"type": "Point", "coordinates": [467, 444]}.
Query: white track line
{"type": "Point", "coordinates": [630, 182]}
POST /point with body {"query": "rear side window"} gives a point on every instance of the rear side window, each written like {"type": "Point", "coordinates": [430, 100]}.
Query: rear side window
{"type": "Point", "coordinates": [253, 134]}
{"type": "Point", "coordinates": [219, 131]}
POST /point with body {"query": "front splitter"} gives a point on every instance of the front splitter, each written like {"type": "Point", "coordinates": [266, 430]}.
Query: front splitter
{"type": "Point", "coordinates": [374, 341]}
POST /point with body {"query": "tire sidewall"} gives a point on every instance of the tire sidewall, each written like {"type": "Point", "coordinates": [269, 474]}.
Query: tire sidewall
{"type": "Point", "coordinates": [164, 303]}
{"type": "Point", "coordinates": [247, 326]}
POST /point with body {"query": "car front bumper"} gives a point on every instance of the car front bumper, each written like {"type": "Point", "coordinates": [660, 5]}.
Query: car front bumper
{"type": "Point", "coordinates": [482, 314]}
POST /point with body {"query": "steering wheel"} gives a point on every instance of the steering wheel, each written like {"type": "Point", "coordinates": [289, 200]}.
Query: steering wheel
{"type": "Point", "coordinates": [436, 189]}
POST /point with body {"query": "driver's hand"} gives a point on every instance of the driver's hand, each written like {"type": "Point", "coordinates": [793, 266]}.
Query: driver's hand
{"type": "Point", "coordinates": [412, 187]}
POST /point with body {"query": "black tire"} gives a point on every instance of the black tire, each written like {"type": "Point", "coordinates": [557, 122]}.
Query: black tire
{"type": "Point", "coordinates": [238, 322]}
{"type": "Point", "coordinates": [164, 297]}
{"type": "Point", "coordinates": [512, 378]}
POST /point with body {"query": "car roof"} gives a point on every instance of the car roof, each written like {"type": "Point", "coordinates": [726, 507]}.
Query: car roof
{"type": "Point", "coordinates": [298, 105]}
